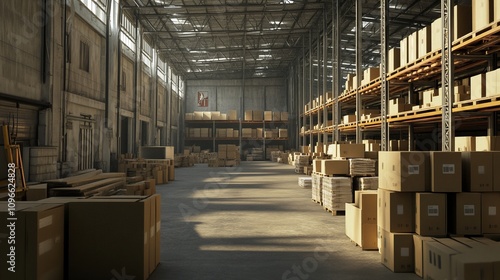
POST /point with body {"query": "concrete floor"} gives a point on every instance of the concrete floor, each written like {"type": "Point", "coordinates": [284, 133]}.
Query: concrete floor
{"type": "Point", "coordinates": [254, 222]}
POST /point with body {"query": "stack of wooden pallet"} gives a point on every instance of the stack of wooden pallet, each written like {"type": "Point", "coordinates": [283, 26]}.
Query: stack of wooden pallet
{"type": "Point", "coordinates": [317, 187]}
{"type": "Point", "coordinates": [93, 182]}
{"type": "Point", "coordinates": [336, 192]}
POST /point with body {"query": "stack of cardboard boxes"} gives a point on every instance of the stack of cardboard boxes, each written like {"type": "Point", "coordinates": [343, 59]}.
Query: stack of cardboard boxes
{"type": "Point", "coordinates": [423, 197]}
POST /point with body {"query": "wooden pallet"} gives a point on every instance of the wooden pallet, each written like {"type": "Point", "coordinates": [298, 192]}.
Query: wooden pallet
{"type": "Point", "coordinates": [315, 201]}
{"type": "Point", "coordinates": [335, 212]}
{"type": "Point", "coordinates": [475, 102]}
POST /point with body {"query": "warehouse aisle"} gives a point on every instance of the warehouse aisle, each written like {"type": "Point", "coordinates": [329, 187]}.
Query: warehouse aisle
{"type": "Point", "coordinates": [254, 222]}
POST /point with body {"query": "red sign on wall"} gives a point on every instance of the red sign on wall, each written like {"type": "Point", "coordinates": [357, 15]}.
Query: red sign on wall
{"type": "Point", "coordinates": [202, 98]}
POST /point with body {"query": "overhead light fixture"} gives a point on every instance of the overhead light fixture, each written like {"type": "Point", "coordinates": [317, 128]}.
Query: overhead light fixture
{"type": "Point", "coordinates": [172, 7]}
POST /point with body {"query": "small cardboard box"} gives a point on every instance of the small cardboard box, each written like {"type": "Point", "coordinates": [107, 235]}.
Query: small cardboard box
{"type": "Point", "coordinates": [403, 171]}
{"type": "Point", "coordinates": [258, 115]}
{"type": "Point", "coordinates": [276, 116]}
{"type": "Point", "coordinates": [349, 150]}
{"type": "Point", "coordinates": [284, 116]}
{"type": "Point", "coordinates": [335, 167]}
{"type": "Point", "coordinates": [232, 115]}
{"type": "Point", "coordinates": [248, 115]}
{"type": "Point", "coordinates": [268, 115]}
{"type": "Point", "coordinates": [491, 83]}
{"type": "Point", "coordinates": [396, 211]}
{"type": "Point", "coordinates": [490, 204]}
{"type": "Point", "coordinates": [397, 251]}
{"type": "Point", "coordinates": [464, 213]}
{"type": "Point", "coordinates": [403, 46]}
{"type": "Point", "coordinates": [446, 171]}
{"type": "Point", "coordinates": [283, 133]}
{"type": "Point", "coordinates": [477, 171]}
{"type": "Point", "coordinates": [478, 86]}
{"type": "Point", "coordinates": [316, 165]}
{"type": "Point", "coordinates": [430, 214]}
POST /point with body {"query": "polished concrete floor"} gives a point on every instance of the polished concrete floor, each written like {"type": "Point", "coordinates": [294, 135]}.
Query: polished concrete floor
{"type": "Point", "coordinates": [254, 222]}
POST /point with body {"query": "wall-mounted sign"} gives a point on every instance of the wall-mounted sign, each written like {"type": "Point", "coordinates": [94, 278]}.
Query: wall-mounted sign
{"type": "Point", "coordinates": [202, 98]}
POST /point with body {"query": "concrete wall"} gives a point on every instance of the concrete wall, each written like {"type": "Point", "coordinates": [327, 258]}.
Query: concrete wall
{"type": "Point", "coordinates": [260, 94]}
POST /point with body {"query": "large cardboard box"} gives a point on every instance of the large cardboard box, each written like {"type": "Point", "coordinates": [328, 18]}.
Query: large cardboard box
{"type": "Point", "coordinates": [316, 165]}
{"type": "Point", "coordinates": [349, 150]}
{"type": "Point", "coordinates": [478, 86]}
{"type": "Point", "coordinates": [259, 132]}
{"type": "Point", "coordinates": [446, 171]}
{"type": "Point", "coordinates": [268, 115]}
{"type": "Point", "coordinates": [232, 115]}
{"type": "Point", "coordinates": [477, 171]}
{"type": "Point", "coordinates": [413, 44]}
{"type": "Point", "coordinates": [394, 59]}
{"type": "Point", "coordinates": [283, 133]}
{"type": "Point", "coordinates": [473, 265]}
{"type": "Point", "coordinates": [437, 260]}
{"type": "Point", "coordinates": [258, 115]}
{"type": "Point", "coordinates": [482, 13]}
{"type": "Point", "coordinates": [207, 116]}
{"type": "Point", "coordinates": [437, 35]}
{"type": "Point", "coordinates": [465, 143]}
{"type": "Point", "coordinates": [493, 83]}
{"type": "Point", "coordinates": [397, 251]}
{"type": "Point", "coordinates": [335, 167]}
{"type": "Point", "coordinates": [361, 220]}
{"type": "Point", "coordinates": [464, 213]}
{"type": "Point", "coordinates": [396, 211]}
{"type": "Point", "coordinates": [424, 41]}
{"type": "Point", "coordinates": [462, 21]}
{"type": "Point", "coordinates": [198, 116]}
{"type": "Point", "coordinates": [119, 228]}
{"type": "Point", "coordinates": [403, 171]}
{"type": "Point", "coordinates": [418, 244]}
{"type": "Point", "coordinates": [246, 132]}
{"type": "Point", "coordinates": [496, 174]}
{"type": "Point", "coordinates": [205, 132]}
{"type": "Point", "coordinates": [487, 143]}
{"type": "Point", "coordinates": [403, 47]}
{"type": "Point", "coordinates": [490, 210]}
{"type": "Point", "coordinates": [430, 214]}
{"type": "Point", "coordinates": [248, 115]}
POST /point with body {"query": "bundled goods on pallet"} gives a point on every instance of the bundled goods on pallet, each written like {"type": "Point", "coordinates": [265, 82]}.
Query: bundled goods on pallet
{"type": "Point", "coordinates": [301, 161]}
{"type": "Point", "coordinates": [275, 155]}
{"type": "Point", "coordinates": [182, 160]}
{"type": "Point", "coordinates": [162, 170]}
{"type": "Point", "coordinates": [283, 158]}
{"type": "Point", "coordinates": [367, 183]}
{"type": "Point", "coordinates": [94, 182]}
{"type": "Point", "coordinates": [336, 192]}
{"type": "Point", "coordinates": [317, 187]}
{"type": "Point", "coordinates": [362, 167]}
{"type": "Point", "coordinates": [255, 154]}
{"type": "Point", "coordinates": [305, 182]}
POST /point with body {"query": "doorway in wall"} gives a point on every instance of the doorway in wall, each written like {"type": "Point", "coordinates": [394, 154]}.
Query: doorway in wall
{"type": "Point", "coordinates": [125, 135]}
{"type": "Point", "coordinates": [144, 133]}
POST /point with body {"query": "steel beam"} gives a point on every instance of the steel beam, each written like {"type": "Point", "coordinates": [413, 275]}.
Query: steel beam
{"type": "Point", "coordinates": [447, 77]}
{"type": "Point", "coordinates": [359, 70]}
{"type": "Point", "coordinates": [384, 96]}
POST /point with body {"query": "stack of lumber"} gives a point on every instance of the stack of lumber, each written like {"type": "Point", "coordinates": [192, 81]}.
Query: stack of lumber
{"type": "Point", "coordinates": [305, 182]}
{"type": "Point", "coordinates": [337, 191]}
{"type": "Point", "coordinates": [136, 186]}
{"type": "Point", "coordinates": [362, 167]}
{"type": "Point", "coordinates": [93, 182]}
{"type": "Point", "coordinates": [368, 183]}
{"type": "Point", "coordinates": [317, 186]}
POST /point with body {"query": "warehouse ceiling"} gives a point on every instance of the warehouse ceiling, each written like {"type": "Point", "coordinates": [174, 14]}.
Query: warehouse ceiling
{"type": "Point", "coordinates": [221, 39]}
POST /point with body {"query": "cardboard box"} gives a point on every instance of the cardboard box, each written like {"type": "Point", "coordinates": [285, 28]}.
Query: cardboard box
{"type": "Point", "coordinates": [437, 260]}
{"type": "Point", "coordinates": [496, 175]}
{"type": "Point", "coordinates": [465, 143]}
{"type": "Point", "coordinates": [482, 13]}
{"type": "Point", "coordinates": [284, 116]}
{"type": "Point", "coordinates": [258, 115]}
{"type": "Point", "coordinates": [464, 213]}
{"type": "Point", "coordinates": [477, 171]}
{"type": "Point", "coordinates": [472, 265]}
{"type": "Point", "coordinates": [283, 133]}
{"type": "Point", "coordinates": [394, 59]}
{"type": "Point", "coordinates": [36, 192]}
{"type": "Point", "coordinates": [248, 115]}
{"type": "Point", "coordinates": [487, 143]}
{"type": "Point", "coordinates": [268, 115]}
{"type": "Point", "coordinates": [371, 74]}
{"type": "Point", "coordinates": [446, 171]}
{"type": "Point", "coordinates": [246, 132]}
{"type": "Point", "coordinates": [403, 171]}
{"type": "Point", "coordinates": [478, 86]}
{"type": "Point", "coordinates": [335, 167]}
{"type": "Point", "coordinates": [171, 172]}
{"type": "Point", "coordinates": [430, 214]}
{"type": "Point", "coordinates": [236, 133]}
{"type": "Point", "coordinates": [397, 251]}
{"type": "Point", "coordinates": [413, 44]}
{"type": "Point", "coordinates": [462, 21]}
{"type": "Point", "coordinates": [349, 150]}
{"type": "Point", "coordinates": [207, 116]}
{"type": "Point", "coordinates": [188, 116]}
{"type": "Point", "coordinates": [349, 119]}
{"type": "Point", "coordinates": [490, 209]}
{"type": "Point", "coordinates": [120, 228]}
{"type": "Point", "coordinates": [316, 165]}
{"type": "Point", "coordinates": [418, 244]}
{"type": "Point", "coordinates": [403, 46]}
{"type": "Point", "coordinates": [259, 132]}
{"type": "Point", "coordinates": [276, 116]}
{"type": "Point", "coordinates": [232, 115]}
{"type": "Point", "coordinates": [198, 116]}
{"type": "Point", "coordinates": [205, 132]}
{"type": "Point", "coordinates": [424, 41]}
{"type": "Point", "coordinates": [396, 211]}
{"type": "Point", "coordinates": [361, 220]}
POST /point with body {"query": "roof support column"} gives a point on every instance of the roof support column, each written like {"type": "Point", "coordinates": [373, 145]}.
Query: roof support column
{"type": "Point", "coordinates": [384, 96]}
{"type": "Point", "coordinates": [359, 70]}
{"type": "Point", "coordinates": [447, 77]}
